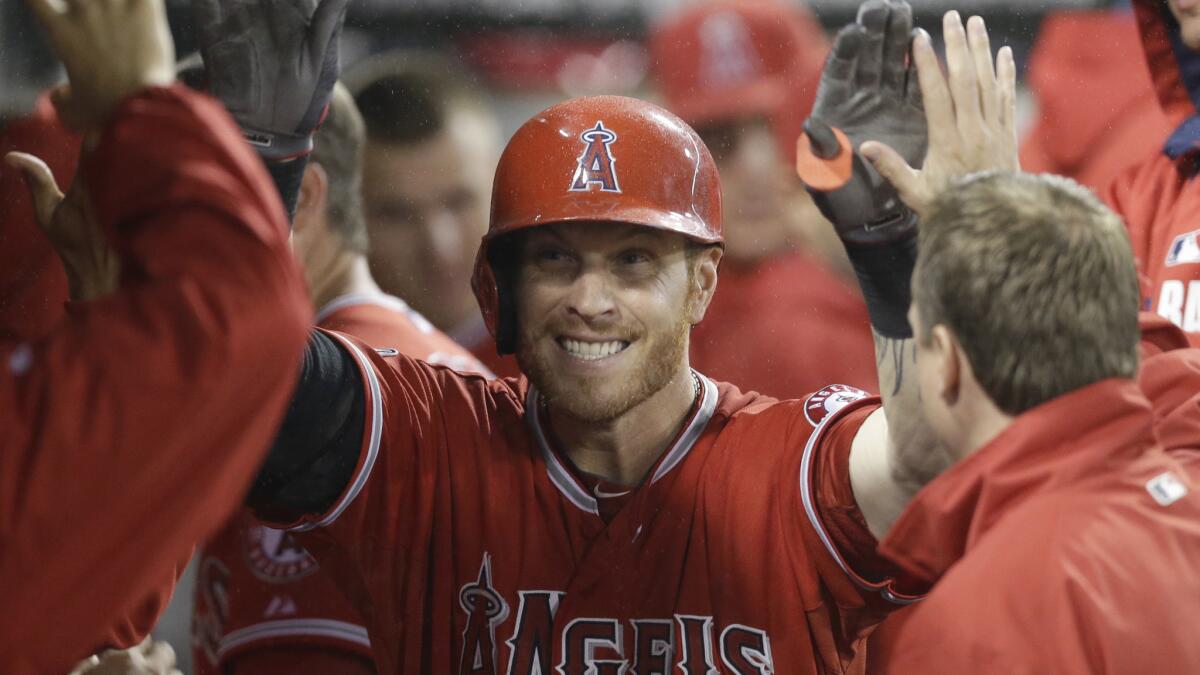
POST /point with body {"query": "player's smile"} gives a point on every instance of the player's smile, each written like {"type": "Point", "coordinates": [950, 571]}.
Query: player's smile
{"type": "Point", "coordinates": [591, 350]}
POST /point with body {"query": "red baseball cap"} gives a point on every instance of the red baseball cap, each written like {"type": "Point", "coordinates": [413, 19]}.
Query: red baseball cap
{"type": "Point", "coordinates": [728, 60]}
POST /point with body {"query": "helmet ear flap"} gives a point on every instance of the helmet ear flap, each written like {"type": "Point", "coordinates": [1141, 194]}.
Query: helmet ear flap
{"type": "Point", "coordinates": [503, 255]}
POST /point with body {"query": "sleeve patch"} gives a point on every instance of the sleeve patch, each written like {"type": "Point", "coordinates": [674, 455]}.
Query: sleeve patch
{"type": "Point", "coordinates": [829, 400]}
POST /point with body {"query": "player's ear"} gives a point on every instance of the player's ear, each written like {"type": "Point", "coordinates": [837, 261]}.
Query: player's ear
{"type": "Point", "coordinates": [949, 358]}
{"type": "Point", "coordinates": [703, 278]}
{"type": "Point", "coordinates": [314, 191]}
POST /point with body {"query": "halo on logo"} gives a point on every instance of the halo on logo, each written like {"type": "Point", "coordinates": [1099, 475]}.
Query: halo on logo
{"type": "Point", "coordinates": [596, 166]}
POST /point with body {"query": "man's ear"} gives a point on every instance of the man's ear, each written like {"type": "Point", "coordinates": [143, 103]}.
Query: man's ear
{"type": "Point", "coordinates": [314, 190]}
{"type": "Point", "coordinates": [704, 280]}
{"type": "Point", "coordinates": [949, 357]}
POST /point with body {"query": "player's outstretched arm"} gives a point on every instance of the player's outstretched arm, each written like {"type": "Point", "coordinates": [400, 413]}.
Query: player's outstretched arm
{"type": "Point", "coordinates": [144, 415]}
{"type": "Point", "coordinates": [970, 128]}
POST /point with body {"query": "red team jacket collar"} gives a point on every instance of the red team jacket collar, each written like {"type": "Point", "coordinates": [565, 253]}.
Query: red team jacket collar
{"type": "Point", "coordinates": [570, 487]}
{"type": "Point", "coordinates": [1037, 452]}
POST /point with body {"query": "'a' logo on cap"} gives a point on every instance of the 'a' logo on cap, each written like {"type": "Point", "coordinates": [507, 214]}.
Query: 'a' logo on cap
{"type": "Point", "coordinates": [596, 164]}
{"type": "Point", "coordinates": [728, 57]}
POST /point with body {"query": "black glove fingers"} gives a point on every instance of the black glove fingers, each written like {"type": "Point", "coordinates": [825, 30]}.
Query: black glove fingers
{"type": "Point", "coordinates": [326, 27]}
{"type": "Point", "coordinates": [844, 54]}
{"type": "Point", "coordinates": [873, 17]}
{"type": "Point", "coordinates": [912, 83]}
{"type": "Point", "coordinates": [895, 46]}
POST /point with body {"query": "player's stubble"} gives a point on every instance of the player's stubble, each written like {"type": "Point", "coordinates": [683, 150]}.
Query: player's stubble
{"type": "Point", "coordinates": [662, 356]}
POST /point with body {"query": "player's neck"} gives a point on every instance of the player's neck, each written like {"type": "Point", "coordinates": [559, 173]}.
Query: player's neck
{"type": "Point", "coordinates": [623, 450]}
{"type": "Point", "coordinates": [347, 273]}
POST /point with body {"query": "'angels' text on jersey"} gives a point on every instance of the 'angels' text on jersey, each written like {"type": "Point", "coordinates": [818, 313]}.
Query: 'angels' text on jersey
{"type": "Point", "coordinates": [599, 645]}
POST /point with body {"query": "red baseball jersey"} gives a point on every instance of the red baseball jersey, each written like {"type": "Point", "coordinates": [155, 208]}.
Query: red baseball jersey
{"type": "Point", "coordinates": [483, 551]}
{"type": "Point", "coordinates": [1159, 197]}
{"type": "Point", "coordinates": [258, 586]}
{"type": "Point", "coordinates": [785, 327]}
{"type": "Point", "coordinates": [132, 429]}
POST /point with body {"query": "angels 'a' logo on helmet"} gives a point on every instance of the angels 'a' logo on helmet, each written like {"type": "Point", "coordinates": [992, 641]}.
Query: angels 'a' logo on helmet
{"type": "Point", "coordinates": [276, 556]}
{"type": "Point", "coordinates": [829, 400]}
{"type": "Point", "coordinates": [596, 164]}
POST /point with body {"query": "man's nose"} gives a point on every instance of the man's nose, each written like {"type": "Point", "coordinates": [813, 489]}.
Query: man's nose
{"type": "Point", "coordinates": [591, 296]}
{"type": "Point", "coordinates": [443, 237]}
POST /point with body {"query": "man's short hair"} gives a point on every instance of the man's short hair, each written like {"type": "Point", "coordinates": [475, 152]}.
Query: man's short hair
{"type": "Point", "coordinates": [338, 148]}
{"type": "Point", "coordinates": [1037, 280]}
{"type": "Point", "coordinates": [407, 97]}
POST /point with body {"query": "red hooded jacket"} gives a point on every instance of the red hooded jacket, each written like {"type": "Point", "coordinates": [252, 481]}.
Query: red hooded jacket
{"type": "Point", "coordinates": [1097, 110]}
{"type": "Point", "coordinates": [1159, 197]}
{"type": "Point", "coordinates": [131, 430]}
{"type": "Point", "coordinates": [1075, 546]}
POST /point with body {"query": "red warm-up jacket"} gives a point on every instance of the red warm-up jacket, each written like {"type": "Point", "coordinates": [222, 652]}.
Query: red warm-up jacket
{"type": "Point", "coordinates": [1160, 197]}
{"type": "Point", "coordinates": [1097, 110]}
{"type": "Point", "coordinates": [131, 430]}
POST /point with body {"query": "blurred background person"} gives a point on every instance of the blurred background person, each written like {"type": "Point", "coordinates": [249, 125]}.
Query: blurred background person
{"type": "Point", "coordinates": [432, 146]}
{"type": "Point", "coordinates": [1097, 113]}
{"type": "Point", "coordinates": [785, 320]}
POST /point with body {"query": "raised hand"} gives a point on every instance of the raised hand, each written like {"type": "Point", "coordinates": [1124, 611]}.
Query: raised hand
{"type": "Point", "coordinates": [92, 266]}
{"type": "Point", "coordinates": [110, 49]}
{"type": "Point", "coordinates": [273, 63]}
{"type": "Point", "coordinates": [868, 91]}
{"type": "Point", "coordinates": [971, 114]}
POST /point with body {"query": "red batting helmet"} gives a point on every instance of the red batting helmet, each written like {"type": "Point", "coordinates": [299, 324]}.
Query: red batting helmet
{"type": "Point", "coordinates": [726, 60]}
{"type": "Point", "coordinates": [595, 159]}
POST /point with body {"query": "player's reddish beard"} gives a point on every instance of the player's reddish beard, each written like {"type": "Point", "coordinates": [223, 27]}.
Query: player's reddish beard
{"type": "Point", "coordinates": [659, 357]}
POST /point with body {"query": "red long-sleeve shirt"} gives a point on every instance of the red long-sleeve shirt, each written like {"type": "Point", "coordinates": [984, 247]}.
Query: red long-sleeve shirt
{"type": "Point", "coordinates": [132, 429]}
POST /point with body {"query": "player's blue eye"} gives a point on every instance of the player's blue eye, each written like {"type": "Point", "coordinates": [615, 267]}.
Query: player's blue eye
{"type": "Point", "coordinates": [634, 258]}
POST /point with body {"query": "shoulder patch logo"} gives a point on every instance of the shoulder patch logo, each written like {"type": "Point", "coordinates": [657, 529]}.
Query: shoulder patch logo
{"type": "Point", "coordinates": [275, 556]}
{"type": "Point", "coordinates": [1184, 249]}
{"type": "Point", "coordinates": [596, 164]}
{"type": "Point", "coordinates": [829, 400]}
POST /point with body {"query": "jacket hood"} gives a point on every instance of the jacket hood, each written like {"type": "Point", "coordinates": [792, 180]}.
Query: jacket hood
{"type": "Point", "coordinates": [1175, 70]}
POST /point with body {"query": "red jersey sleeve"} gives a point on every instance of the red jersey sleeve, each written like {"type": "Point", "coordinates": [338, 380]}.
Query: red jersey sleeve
{"type": "Point", "coordinates": [837, 531]}
{"type": "Point", "coordinates": [132, 430]}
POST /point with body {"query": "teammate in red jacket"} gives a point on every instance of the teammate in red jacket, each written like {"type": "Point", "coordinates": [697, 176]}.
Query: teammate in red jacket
{"type": "Point", "coordinates": [1158, 197]}
{"type": "Point", "coordinates": [1039, 528]}
{"type": "Point", "coordinates": [1049, 501]}
{"type": "Point", "coordinates": [262, 603]}
{"type": "Point", "coordinates": [124, 403]}
{"type": "Point", "coordinates": [1097, 111]}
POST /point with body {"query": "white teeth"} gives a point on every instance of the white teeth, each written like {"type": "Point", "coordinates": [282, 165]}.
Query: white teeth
{"type": "Point", "coordinates": [590, 351]}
